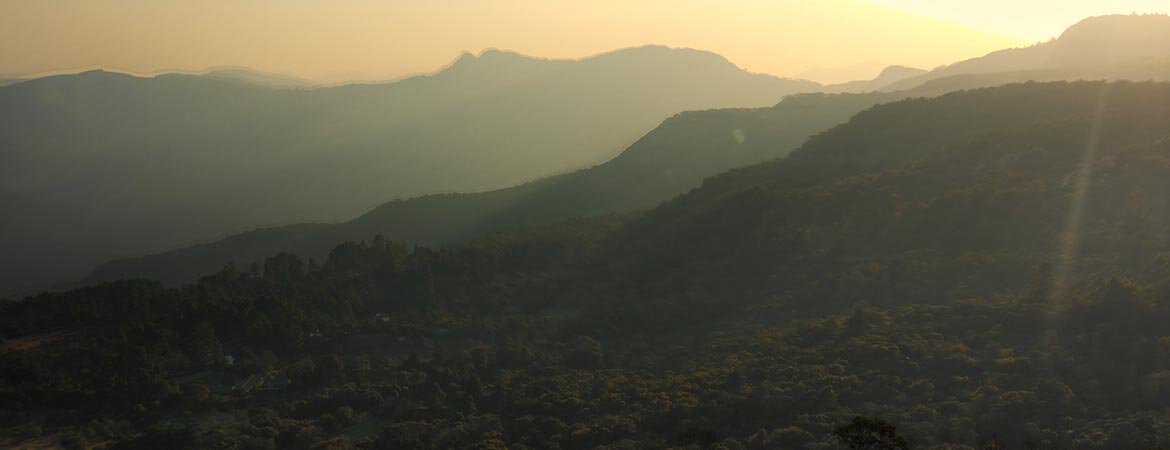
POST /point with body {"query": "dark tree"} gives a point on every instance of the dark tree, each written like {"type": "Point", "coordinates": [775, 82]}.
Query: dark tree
{"type": "Point", "coordinates": [474, 387]}
{"type": "Point", "coordinates": [863, 433]}
{"type": "Point", "coordinates": [702, 437]}
{"type": "Point", "coordinates": [284, 266]}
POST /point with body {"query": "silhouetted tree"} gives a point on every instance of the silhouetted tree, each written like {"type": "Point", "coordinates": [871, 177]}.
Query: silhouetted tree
{"type": "Point", "coordinates": [284, 266]}
{"type": "Point", "coordinates": [863, 433]}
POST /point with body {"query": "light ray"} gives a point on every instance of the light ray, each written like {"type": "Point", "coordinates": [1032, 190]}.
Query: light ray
{"type": "Point", "coordinates": [1071, 239]}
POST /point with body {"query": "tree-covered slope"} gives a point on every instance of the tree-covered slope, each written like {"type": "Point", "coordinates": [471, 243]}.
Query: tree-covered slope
{"type": "Point", "coordinates": [983, 268]}
{"type": "Point", "coordinates": [966, 178]}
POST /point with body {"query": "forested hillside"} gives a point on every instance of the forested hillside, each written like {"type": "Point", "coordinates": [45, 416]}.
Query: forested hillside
{"type": "Point", "coordinates": [985, 269]}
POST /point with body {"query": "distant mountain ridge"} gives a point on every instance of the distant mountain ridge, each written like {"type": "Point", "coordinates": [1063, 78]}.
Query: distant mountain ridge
{"type": "Point", "coordinates": [888, 76]}
{"type": "Point", "coordinates": [258, 77]}
{"type": "Point", "coordinates": [101, 165]}
{"type": "Point", "coordinates": [1098, 47]}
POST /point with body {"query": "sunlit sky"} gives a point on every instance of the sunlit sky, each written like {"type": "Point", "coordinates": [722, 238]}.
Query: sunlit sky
{"type": "Point", "coordinates": [340, 40]}
{"type": "Point", "coordinates": [1034, 20]}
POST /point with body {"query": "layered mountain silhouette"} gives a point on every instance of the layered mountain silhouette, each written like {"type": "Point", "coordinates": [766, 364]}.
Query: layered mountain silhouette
{"type": "Point", "coordinates": [1082, 52]}
{"type": "Point", "coordinates": [671, 160]}
{"type": "Point", "coordinates": [101, 165]}
{"type": "Point", "coordinates": [888, 76]}
{"type": "Point", "coordinates": [843, 74]}
{"type": "Point", "coordinates": [259, 77]}
{"type": "Point", "coordinates": [667, 162]}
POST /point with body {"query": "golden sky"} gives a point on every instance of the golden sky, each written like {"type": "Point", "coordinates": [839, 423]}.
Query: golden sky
{"type": "Point", "coordinates": [1035, 20]}
{"type": "Point", "coordinates": [340, 40]}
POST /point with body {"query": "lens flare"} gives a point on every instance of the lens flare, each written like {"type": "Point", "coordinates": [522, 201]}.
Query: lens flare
{"type": "Point", "coordinates": [1070, 240]}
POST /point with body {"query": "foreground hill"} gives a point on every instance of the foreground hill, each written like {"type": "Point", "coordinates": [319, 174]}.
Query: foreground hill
{"type": "Point", "coordinates": [945, 185]}
{"type": "Point", "coordinates": [983, 268]}
{"type": "Point", "coordinates": [101, 165]}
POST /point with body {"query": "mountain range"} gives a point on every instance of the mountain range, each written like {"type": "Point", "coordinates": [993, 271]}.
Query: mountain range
{"type": "Point", "coordinates": [978, 258]}
{"type": "Point", "coordinates": [143, 165]}
{"type": "Point", "coordinates": [102, 165]}
{"type": "Point", "coordinates": [667, 162]}
{"type": "Point", "coordinates": [915, 263]}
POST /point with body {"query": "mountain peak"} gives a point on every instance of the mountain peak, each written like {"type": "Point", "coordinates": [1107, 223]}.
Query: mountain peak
{"type": "Point", "coordinates": [505, 61]}
{"type": "Point", "coordinates": [662, 53]}
{"type": "Point", "coordinates": [1114, 39]}
{"type": "Point", "coordinates": [490, 59]}
{"type": "Point", "coordinates": [895, 73]}
{"type": "Point", "coordinates": [1116, 23]}
{"type": "Point", "coordinates": [495, 54]}
{"type": "Point", "coordinates": [257, 77]}
{"type": "Point", "coordinates": [91, 75]}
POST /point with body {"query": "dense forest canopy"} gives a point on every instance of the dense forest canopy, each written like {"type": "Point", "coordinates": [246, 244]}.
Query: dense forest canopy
{"type": "Point", "coordinates": [984, 269]}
